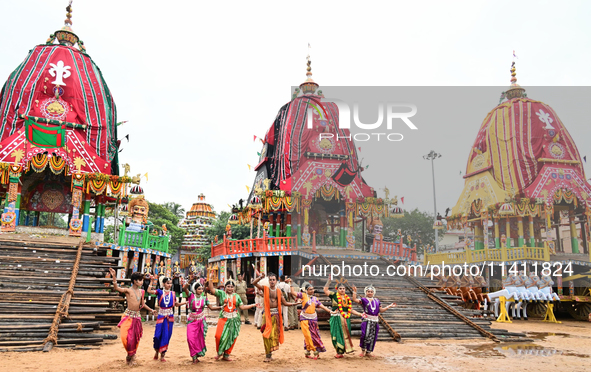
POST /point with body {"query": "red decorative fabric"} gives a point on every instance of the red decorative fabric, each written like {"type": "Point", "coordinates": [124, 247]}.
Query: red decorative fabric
{"type": "Point", "coordinates": [85, 99]}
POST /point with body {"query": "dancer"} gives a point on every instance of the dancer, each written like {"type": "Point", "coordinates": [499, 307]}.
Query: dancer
{"type": "Point", "coordinates": [131, 321]}
{"type": "Point", "coordinates": [228, 326]}
{"type": "Point", "coordinates": [340, 322]}
{"type": "Point", "coordinates": [196, 324]}
{"type": "Point", "coordinates": [309, 320]}
{"type": "Point", "coordinates": [369, 324]}
{"type": "Point", "coordinates": [272, 318]}
{"type": "Point", "coordinates": [166, 300]}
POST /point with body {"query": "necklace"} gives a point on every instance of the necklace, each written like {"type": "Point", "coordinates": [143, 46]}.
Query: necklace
{"type": "Point", "coordinates": [371, 305]}
{"type": "Point", "coordinates": [136, 295]}
{"type": "Point", "coordinates": [344, 302]}
{"type": "Point", "coordinates": [230, 303]}
{"type": "Point", "coordinates": [167, 298]}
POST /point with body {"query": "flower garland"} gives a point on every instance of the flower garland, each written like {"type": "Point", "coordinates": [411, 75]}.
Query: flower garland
{"type": "Point", "coordinates": [57, 164]}
{"type": "Point", "coordinates": [347, 304]}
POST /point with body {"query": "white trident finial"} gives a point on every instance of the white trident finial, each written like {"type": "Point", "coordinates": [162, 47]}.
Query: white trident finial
{"type": "Point", "coordinates": [60, 71]}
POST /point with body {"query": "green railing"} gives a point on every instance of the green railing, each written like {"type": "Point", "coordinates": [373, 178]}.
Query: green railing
{"type": "Point", "coordinates": [143, 240]}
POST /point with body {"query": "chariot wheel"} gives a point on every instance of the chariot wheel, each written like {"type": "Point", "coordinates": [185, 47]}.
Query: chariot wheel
{"type": "Point", "coordinates": [582, 287]}
{"type": "Point", "coordinates": [579, 310]}
{"type": "Point", "coordinates": [536, 309]}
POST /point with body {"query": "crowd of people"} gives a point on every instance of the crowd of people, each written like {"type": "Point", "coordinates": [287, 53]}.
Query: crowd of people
{"type": "Point", "coordinates": [275, 314]}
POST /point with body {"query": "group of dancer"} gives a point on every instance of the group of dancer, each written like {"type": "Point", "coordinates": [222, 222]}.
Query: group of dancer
{"type": "Point", "coordinates": [228, 326]}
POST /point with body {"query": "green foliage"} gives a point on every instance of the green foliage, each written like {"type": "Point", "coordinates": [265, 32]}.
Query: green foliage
{"type": "Point", "coordinates": [160, 214]}
{"type": "Point", "coordinates": [110, 233]}
{"type": "Point", "coordinates": [59, 219]}
{"type": "Point", "coordinates": [204, 252]}
{"type": "Point", "coordinates": [417, 224]}
{"type": "Point", "coordinates": [219, 229]}
{"type": "Point", "coordinates": [176, 209]}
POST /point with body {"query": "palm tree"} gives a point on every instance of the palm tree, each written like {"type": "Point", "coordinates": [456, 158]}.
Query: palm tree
{"type": "Point", "coordinates": [176, 209]}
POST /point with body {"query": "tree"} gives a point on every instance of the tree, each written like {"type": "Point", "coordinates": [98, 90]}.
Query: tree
{"type": "Point", "coordinates": [417, 224]}
{"type": "Point", "coordinates": [204, 252]}
{"type": "Point", "coordinates": [110, 233]}
{"type": "Point", "coordinates": [159, 215]}
{"type": "Point", "coordinates": [219, 229]}
{"type": "Point", "coordinates": [59, 220]}
{"type": "Point", "coordinates": [176, 209]}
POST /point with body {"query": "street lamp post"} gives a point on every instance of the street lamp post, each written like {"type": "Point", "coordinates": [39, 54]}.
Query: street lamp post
{"type": "Point", "coordinates": [432, 156]}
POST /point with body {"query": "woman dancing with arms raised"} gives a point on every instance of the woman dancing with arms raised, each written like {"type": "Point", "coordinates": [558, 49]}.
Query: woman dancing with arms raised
{"type": "Point", "coordinates": [340, 319]}
{"type": "Point", "coordinates": [309, 320]}
{"type": "Point", "coordinates": [196, 324]}
{"type": "Point", "coordinates": [166, 300]}
{"type": "Point", "coordinates": [370, 323]}
{"type": "Point", "coordinates": [228, 326]}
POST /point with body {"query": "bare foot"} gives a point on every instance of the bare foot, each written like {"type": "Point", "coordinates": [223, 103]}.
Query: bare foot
{"type": "Point", "coordinates": [362, 354]}
{"type": "Point", "coordinates": [227, 359]}
{"type": "Point", "coordinates": [156, 356]}
{"type": "Point", "coordinates": [162, 360]}
{"type": "Point", "coordinates": [370, 355]}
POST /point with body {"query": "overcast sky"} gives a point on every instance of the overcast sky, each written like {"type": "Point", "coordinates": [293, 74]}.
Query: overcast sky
{"type": "Point", "coordinates": [197, 79]}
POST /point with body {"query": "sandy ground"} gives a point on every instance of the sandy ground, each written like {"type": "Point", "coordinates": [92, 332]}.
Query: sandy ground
{"type": "Point", "coordinates": [564, 347]}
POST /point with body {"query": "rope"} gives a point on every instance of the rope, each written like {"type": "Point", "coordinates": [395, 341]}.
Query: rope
{"type": "Point", "coordinates": [64, 304]}
{"type": "Point", "coordinates": [395, 335]}
{"type": "Point", "coordinates": [447, 306]}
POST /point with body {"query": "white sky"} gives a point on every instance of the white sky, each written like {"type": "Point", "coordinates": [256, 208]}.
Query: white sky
{"type": "Point", "coordinates": [197, 79]}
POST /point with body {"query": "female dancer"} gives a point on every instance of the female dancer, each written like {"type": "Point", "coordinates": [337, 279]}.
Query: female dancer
{"type": "Point", "coordinates": [228, 326]}
{"type": "Point", "coordinates": [166, 300]}
{"type": "Point", "coordinates": [340, 322]}
{"type": "Point", "coordinates": [196, 324]}
{"type": "Point", "coordinates": [369, 324]}
{"type": "Point", "coordinates": [309, 320]}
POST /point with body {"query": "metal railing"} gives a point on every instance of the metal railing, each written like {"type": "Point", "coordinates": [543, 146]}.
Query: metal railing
{"type": "Point", "coordinates": [256, 245]}
{"type": "Point", "coordinates": [143, 239]}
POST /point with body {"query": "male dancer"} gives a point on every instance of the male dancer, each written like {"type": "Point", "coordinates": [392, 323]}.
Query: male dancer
{"type": "Point", "coordinates": [272, 318]}
{"type": "Point", "coordinates": [131, 321]}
